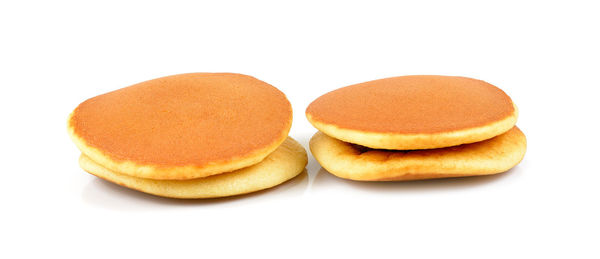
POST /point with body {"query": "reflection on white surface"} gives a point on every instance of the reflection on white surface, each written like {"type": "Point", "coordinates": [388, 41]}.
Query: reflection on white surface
{"type": "Point", "coordinates": [108, 195]}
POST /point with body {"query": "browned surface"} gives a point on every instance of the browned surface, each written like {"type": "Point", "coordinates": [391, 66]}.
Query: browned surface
{"type": "Point", "coordinates": [413, 104]}
{"type": "Point", "coordinates": [188, 119]}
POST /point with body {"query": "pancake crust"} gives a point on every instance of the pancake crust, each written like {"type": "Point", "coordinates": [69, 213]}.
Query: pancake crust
{"type": "Point", "coordinates": [183, 126]}
{"type": "Point", "coordinates": [354, 162]}
{"type": "Point", "coordinates": [286, 162]}
{"type": "Point", "coordinates": [414, 112]}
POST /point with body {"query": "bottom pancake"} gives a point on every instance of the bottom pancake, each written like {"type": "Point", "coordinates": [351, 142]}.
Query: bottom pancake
{"type": "Point", "coordinates": [350, 161]}
{"type": "Point", "coordinates": [286, 162]}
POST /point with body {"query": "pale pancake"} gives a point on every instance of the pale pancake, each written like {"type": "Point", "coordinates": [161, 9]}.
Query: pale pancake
{"type": "Point", "coordinates": [414, 112]}
{"type": "Point", "coordinates": [286, 162]}
{"type": "Point", "coordinates": [351, 161]}
{"type": "Point", "coordinates": [183, 126]}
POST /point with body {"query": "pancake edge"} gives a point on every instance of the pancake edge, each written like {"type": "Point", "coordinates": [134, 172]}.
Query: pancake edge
{"type": "Point", "coordinates": [162, 172]}
{"type": "Point", "coordinates": [338, 158]}
{"type": "Point", "coordinates": [285, 163]}
{"type": "Point", "coordinates": [412, 141]}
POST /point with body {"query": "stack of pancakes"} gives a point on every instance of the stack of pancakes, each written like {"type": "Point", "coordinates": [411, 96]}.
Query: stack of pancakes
{"type": "Point", "coordinates": [416, 127]}
{"type": "Point", "coordinates": [197, 135]}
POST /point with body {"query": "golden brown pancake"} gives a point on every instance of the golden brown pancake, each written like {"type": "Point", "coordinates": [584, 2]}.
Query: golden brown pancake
{"type": "Point", "coordinates": [355, 162]}
{"type": "Point", "coordinates": [414, 112]}
{"type": "Point", "coordinates": [183, 126]}
{"type": "Point", "coordinates": [286, 162]}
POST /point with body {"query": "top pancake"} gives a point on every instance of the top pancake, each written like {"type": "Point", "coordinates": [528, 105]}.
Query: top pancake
{"type": "Point", "coordinates": [414, 112]}
{"type": "Point", "coordinates": [183, 126]}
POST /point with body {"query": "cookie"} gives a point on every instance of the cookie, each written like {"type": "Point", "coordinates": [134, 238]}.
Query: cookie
{"type": "Point", "coordinates": [414, 112]}
{"type": "Point", "coordinates": [355, 162]}
{"type": "Point", "coordinates": [182, 127]}
{"type": "Point", "coordinates": [286, 162]}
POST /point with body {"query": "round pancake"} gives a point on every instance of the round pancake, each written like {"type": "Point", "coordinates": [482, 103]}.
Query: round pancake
{"type": "Point", "coordinates": [354, 162]}
{"type": "Point", "coordinates": [287, 161]}
{"type": "Point", "coordinates": [183, 126]}
{"type": "Point", "coordinates": [414, 112]}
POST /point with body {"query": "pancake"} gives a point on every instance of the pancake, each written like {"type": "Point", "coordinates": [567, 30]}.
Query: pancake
{"type": "Point", "coordinates": [183, 126]}
{"type": "Point", "coordinates": [354, 162]}
{"type": "Point", "coordinates": [286, 162]}
{"type": "Point", "coordinates": [414, 112]}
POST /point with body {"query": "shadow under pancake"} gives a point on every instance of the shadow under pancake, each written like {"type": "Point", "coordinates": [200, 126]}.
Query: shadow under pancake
{"type": "Point", "coordinates": [108, 195]}
{"type": "Point", "coordinates": [324, 179]}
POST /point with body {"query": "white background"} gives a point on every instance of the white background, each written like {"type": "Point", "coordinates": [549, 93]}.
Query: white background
{"type": "Point", "coordinates": [544, 54]}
